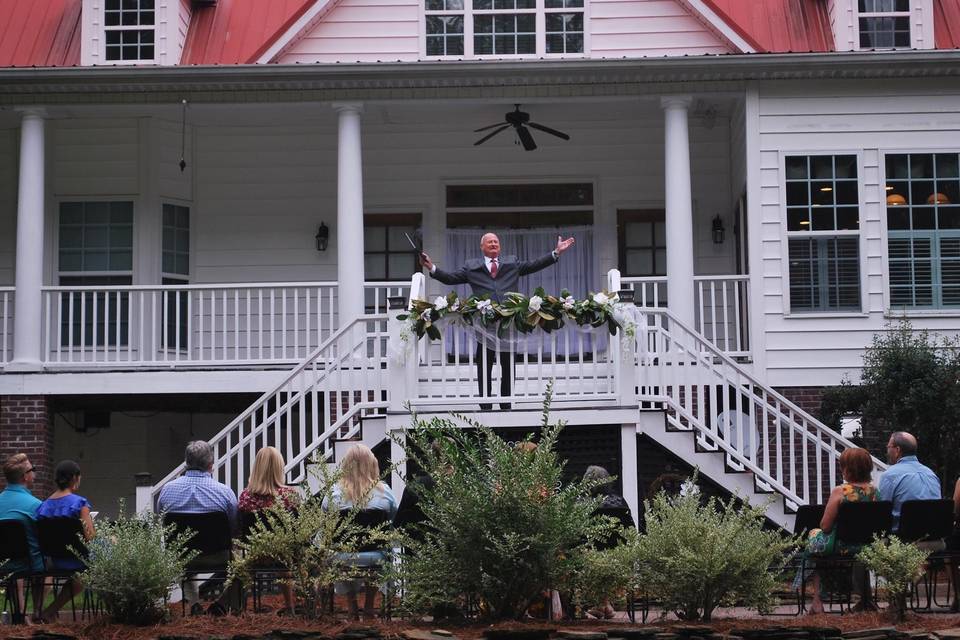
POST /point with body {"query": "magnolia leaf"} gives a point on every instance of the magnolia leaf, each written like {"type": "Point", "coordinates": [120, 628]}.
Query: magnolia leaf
{"type": "Point", "coordinates": [433, 332]}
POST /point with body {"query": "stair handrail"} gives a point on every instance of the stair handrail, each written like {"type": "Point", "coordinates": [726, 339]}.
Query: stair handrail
{"type": "Point", "coordinates": [268, 395]}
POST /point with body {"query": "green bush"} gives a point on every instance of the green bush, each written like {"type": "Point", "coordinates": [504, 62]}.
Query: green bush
{"type": "Point", "coordinates": [898, 564]}
{"type": "Point", "coordinates": [696, 557]}
{"type": "Point", "coordinates": [501, 528]}
{"type": "Point", "coordinates": [606, 573]}
{"type": "Point", "coordinates": [306, 543]}
{"type": "Point", "coordinates": [132, 563]}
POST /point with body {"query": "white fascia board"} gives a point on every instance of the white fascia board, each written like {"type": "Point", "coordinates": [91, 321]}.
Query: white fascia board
{"type": "Point", "coordinates": [305, 22]}
{"type": "Point", "coordinates": [721, 26]}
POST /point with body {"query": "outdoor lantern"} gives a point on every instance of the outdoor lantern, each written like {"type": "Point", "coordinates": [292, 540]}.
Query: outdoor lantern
{"type": "Point", "coordinates": [323, 237]}
{"type": "Point", "coordinates": [626, 295]}
{"type": "Point", "coordinates": [717, 230]}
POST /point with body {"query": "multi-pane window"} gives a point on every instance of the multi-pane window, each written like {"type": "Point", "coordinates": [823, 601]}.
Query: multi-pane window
{"type": "Point", "coordinates": [387, 254]}
{"type": "Point", "coordinates": [129, 30]}
{"type": "Point", "coordinates": [176, 271]}
{"type": "Point", "coordinates": [96, 249]}
{"type": "Point", "coordinates": [884, 24]}
{"type": "Point", "coordinates": [503, 27]}
{"type": "Point", "coordinates": [643, 243]}
{"type": "Point", "coordinates": [923, 229]}
{"type": "Point", "coordinates": [823, 223]}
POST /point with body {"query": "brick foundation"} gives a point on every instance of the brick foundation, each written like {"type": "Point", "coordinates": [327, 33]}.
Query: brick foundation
{"type": "Point", "coordinates": [807, 398]}
{"type": "Point", "coordinates": [26, 427]}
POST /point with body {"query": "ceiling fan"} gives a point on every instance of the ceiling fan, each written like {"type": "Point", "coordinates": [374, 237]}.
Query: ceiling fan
{"type": "Point", "coordinates": [519, 120]}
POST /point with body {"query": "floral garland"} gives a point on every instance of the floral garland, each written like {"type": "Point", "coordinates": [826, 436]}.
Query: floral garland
{"type": "Point", "coordinates": [540, 310]}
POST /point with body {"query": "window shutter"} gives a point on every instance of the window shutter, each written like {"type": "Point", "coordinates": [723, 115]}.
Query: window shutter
{"type": "Point", "coordinates": [950, 270]}
{"type": "Point", "coordinates": [911, 271]}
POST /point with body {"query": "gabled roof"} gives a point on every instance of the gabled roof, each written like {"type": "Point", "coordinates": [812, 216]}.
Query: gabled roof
{"type": "Point", "coordinates": [39, 34]}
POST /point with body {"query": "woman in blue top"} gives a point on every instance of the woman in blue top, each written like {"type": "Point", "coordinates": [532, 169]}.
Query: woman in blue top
{"type": "Point", "coordinates": [360, 485]}
{"type": "Point", "coordinates": [65, 503]}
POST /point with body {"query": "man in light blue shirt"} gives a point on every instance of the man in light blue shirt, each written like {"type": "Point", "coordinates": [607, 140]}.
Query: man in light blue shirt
{"type": "Point", "coordinates": [17, 503]}
{"type": "Point", "coordinates": [906, 479]}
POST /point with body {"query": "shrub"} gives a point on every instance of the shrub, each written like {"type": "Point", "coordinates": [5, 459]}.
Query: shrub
{"type": "Point", "coordinates": [499, 527]}
{"type": "Point", "coordinates": [132, 563]}
{"type": "Point", "coordinates": [695, 557]}
{"type": "Point", "coordinates": [606, 573]}
{"type": "Point", "coordinates": [307, 543]}
{"type": "Point", "coordinates": [898, 564]}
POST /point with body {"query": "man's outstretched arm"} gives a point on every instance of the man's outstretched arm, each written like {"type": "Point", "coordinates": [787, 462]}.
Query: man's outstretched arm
{"type": "Point", "coordinates": [533, 266]}
{"type": "Point", "coordinates": [446, 277]}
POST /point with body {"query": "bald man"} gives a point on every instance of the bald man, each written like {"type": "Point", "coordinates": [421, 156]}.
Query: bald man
{"type": "Point", "coordinates": [494, 275]}
{"type": "Point", "coordinates": [906, 479]}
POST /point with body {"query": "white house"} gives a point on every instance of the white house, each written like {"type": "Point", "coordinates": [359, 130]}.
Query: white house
{"type": "Point", "coordinates": [203, 202]}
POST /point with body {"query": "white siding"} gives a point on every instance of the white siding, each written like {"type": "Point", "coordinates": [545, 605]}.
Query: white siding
{"type": "Point", "coordinates": [868, 121]}
{"type": "Point", "coordinates": [390, 30]}
{"type": "Point", "coordinates": [8, 203]}
{"type": "Point", "coordinates": [94, 157]}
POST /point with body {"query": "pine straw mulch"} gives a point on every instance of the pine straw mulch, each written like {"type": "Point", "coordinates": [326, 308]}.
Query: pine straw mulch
{"type": "Point", "coordinates": [261, 624]}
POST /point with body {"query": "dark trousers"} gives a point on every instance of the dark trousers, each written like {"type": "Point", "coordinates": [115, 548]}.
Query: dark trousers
{"type": "Point", "coordinates": [485, 358]}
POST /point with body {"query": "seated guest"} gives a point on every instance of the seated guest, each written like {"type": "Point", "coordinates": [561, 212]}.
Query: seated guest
{"type": "Point", "coordinates": [17, 503]}
{"type": "Point", "coordinates": [905, 478]}
{"type": "Point", "coordinates": [265, 486]}
{"type": "Point", "coordinates": [855, 467]}
{"type": "Point", "coordinates": [197, 492]}
{"type": "Point", "coordinates": [613, 506]}
{"type": "Point", "coordinates": [65, 503]}
{"type": "Point", "coordinates": [360, 486]}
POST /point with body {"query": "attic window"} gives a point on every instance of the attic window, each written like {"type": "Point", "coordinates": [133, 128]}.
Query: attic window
{"type": "Point", "coordinates": [129, 30]}
{"type": "Point", "coordinates": [884, 24]}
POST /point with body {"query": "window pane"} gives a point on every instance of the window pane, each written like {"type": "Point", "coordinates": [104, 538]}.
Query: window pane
{"type": "Point", "coordinates": [639, 262]}
{"type": "Point", "coordinates": [375, 266]}
{"type": "Point", "coordinates": [898, 218]}
{"type": "Point", "coordinates": [821, 193]}
{"type": "Point", "coordinates": [947, 165]}
{"type": "Point", "coordinates": [921, 165]}
{"type": "Point", "coordinates": [920, 191]}
{"type": "Point", "coordinates": [948, 217]}
{"type": "Point", "coordinates": [797, 168]}
{"type": "Point", "coordinates": [848, 219]}
{"type": "Point", "coordinates": [638, 234]}
{"type": "Point", "coordinates": [846, 192]}
{"type": "Point", "coordinates": [121, 261]}
{"type": "Point", "coordinates": [555, 43]}
{"type": "Point", "coordinates": [822, 219]}
{"type": "Point", "coordinates": [923, 218]}
{"type": "Point", "coordinates": [897, 166]}
{"type": "Point", "coordinates": [798, 219]}
{"type": "Point", "coordinates": [401, 265]}
{"type": "Point", "coordinates": [846, 166]}
{"type": "Point", "coordinates": [821, 167]}
{"type": "Point", "coordinates": [574, 43]}
{"type": "Point", "coordinates": [798, 194]}
{"type": "Point", "coordinates": [374, 239]}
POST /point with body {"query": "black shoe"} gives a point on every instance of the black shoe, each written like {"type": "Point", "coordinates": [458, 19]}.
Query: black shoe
{"type": "Point", "coordinates": [485, 406]}
{"type": "Point", "coordinates": [506, 406]}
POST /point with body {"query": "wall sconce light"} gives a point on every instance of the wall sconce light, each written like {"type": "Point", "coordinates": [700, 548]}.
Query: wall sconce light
{"type": "Point", "coordinates": [323, 237]}
{"type": "Point", "coordinates": [626, 296]}
{"type": "Point", "coordinates": [718, 230]}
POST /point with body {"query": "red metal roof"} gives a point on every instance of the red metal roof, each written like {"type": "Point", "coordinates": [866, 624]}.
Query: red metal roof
{"type": "Point", "coordinates": [946, 24]}
{"type": "Point", "coordinates": [233, 31]}
{"type": "Point", "coordinates": [42, 34]}
{"type": "Point", "coordinates": [779, 26]}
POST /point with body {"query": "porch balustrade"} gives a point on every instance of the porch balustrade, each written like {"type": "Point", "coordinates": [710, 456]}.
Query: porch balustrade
{"type": "Point", "coordinates": [6, 324]}
{"type": "Point", "coordinates": [214, 325]}
{"type": "Point", "coordinates": [721, 308]}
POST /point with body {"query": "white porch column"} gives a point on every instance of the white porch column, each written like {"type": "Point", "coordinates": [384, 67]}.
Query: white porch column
{"type": "Point", "coordinates": [349, 213]}
{"type": "Point", "coordinates": [678, 200]}
{"type": "Point", "coordinates": [628, 469]}
{"type": "Point", "coordinates": [29, 277]}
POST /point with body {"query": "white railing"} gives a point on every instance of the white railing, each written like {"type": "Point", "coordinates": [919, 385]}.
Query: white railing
{"type": "Point", "coordinates": [6, 324]}
{"type": "Point", "coordinates": [324, 398]}
{"type": "Point", "coordinates": [721, 307]}
{"type": "Point", "coordinates": [704, 390]}
{"type": "Point", "coordinates": [191, 325]}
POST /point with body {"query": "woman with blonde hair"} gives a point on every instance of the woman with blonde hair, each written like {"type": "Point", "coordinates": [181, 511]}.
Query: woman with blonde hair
{"type": "Point", "coordinates": [265, 485]}
{"type": "Point", "coordinates": [360, 486]}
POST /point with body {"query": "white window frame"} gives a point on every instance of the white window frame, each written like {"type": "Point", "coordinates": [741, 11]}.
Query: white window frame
{"type": "Point", "coordinates": [786, 235]}
{"type": "Point", "coordinates": [121, 28]}
{"type": "Point", "coordinates": [540, 11]}
{"type": "Point", "coordinates": [881, 14]}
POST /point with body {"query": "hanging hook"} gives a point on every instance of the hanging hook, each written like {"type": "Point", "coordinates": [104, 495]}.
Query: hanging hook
{"type": "Point", "coordinates": [183, 136]}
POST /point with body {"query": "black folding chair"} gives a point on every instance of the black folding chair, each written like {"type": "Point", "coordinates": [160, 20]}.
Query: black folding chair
{"type": "Point", "coordinates": [58, 537]}
{"type": "Point", "coordinates": [267, 573]}
{"type": "Point", "coordinates": [212, 538]}
{"type": "Point", "coordinates": [931, 522]}
{"type": "Point", "coordinates": [857, 524]}
{"type": "Point", "coordinates": [15, 547]}
{"type": "Point", "coordinates": [369, 519]}
{"type": "Point", "coordinates": [808, 517]}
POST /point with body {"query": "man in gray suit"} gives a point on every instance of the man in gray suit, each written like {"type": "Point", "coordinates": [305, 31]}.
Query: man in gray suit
{"type": "Point", "coordinates": [494, 275]}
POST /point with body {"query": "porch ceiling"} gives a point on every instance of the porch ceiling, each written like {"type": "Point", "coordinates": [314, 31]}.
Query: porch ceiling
{"type": "Point", "coordinates": [453, 80]}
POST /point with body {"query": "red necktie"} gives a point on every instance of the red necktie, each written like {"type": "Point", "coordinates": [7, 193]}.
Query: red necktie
{"type": "Point", "coordinates": [493, 268]}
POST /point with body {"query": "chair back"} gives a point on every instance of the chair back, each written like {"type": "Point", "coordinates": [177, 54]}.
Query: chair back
{"type": "Point", "coordinates": [13, 541]}
{"type": "Point", "coordinates": [926, 520]}
{"type": "Point", "coordinates": [211, 530]}
{"type": "Point", "coordinates": [249, 519]}
{"type": "Point", "coordinates": [808, 517]}
{"type": "Point", "coordinates": [58, 535]}
{"type": "Point", "coordinates": [369, 519]}
{"type": "Point", "coordinates": [859, 522]}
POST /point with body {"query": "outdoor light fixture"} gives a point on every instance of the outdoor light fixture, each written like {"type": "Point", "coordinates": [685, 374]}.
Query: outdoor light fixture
{"type": "Point", "coordinates": [323, 237]}
{"type": "Point", "coordinates": [717, 230]}
{"type": "Point", "coordinates": [626, 295]}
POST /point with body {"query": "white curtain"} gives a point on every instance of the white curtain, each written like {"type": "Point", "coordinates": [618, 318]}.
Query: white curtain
{"type": "Point", "coordinates": [574, 271]}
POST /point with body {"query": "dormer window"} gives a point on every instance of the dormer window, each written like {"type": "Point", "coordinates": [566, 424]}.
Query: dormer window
{"type": "Point", "coordinates": [129, 30]}
{"type": "Point", "coordinates": [884, 24]}
{"type": "Point", "coordinates": [503, 27]}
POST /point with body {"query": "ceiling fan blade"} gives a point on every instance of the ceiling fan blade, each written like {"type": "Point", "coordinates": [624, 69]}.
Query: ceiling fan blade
{"type": "Point", "coordinates": [490, 135]}
{"type": "Point", "coordinates": [525, 138]}
{"type": "Point", "coordinates": [499, 124]}
{"type": "Point", "coordinates": [553, 132]}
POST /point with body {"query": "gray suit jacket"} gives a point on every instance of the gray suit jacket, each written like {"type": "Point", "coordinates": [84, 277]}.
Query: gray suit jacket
{"type": "Point", "coordinates": [474, 272]}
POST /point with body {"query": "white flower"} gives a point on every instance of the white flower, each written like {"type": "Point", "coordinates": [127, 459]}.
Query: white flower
{"type": "Point", "coordinates": [455, 306]}
{"type": "Point", "coordinates": [689, 488]}
{"type": "Point", "coordinates": [440, 303]}
{"type": "Point", "coordinates": [534, 303]}
{"type": "Point", "coordinates": [425, 316]}
{"type": "Point", "coordinates": [485, 307]}
{"type": "Point", "coordinates": [601, 298]}
{"type": "Point", "coordinates": [568, 302]}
